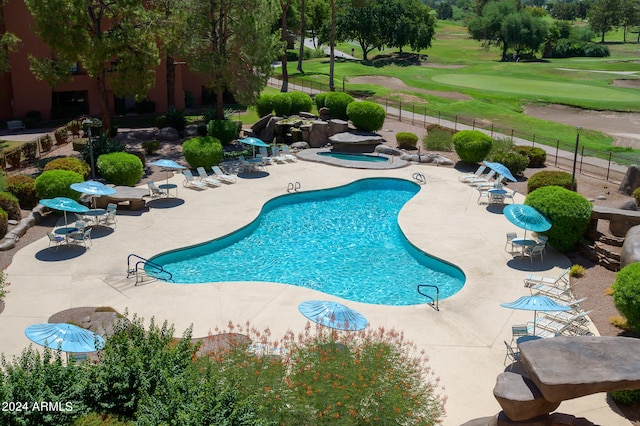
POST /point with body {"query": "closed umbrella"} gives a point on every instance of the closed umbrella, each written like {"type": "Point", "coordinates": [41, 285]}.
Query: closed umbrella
{"type": "Point", "coordinates": [93, 188]}
{"type": "Point", "coordinates": [501, 169]}
{"type": "Point", "coordinates": [535, 303]}
{"type": "Point", "coordinates": [65, 337]}
{"type": "Point", "coordinates": [333, 315]}
{"type": "Point", "coordinates": [253, 142]}
{"type": "Point", "coordinates": [526, 217]}
{"type": "Point", "coordinates": [64, 204]}
{"type": "Point", "coordinates": [167, 164]}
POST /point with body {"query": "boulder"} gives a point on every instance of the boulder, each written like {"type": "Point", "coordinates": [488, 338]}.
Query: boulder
{"type": "Point", "coordinates": [631, 180]}
{"type": "Point", "coordinates": [631, 247]}
{"type": "Point", "coordinates": [307, 115]}
{"type": "Point", "coordinates": [324, 114]}
{"type": "Point", "coordinates": [319, 134]}
{"type": "Point", "coordinates": [168, 134]}
{"type": "Point", "coordinates": [620, 221]}
{"type": "Point", "coordinates": [386, 149]}
{"type": "Point", "coordinates": [269, 132]}
{"type": "Point", "coordinates": [337, 126]}
{"type": "Point", "coordinates": [297, 146]}
{"type": "Point", "coordinates": [520, 399]}
{"type": "Point", "coordinates": [629, 205]}
{"type": "Point", "coordinates": [438, 159]}
{"type": "Point", "coordinates": [306, 129]}
{"type": "Point", "coordinates": [261, 124]}
{"type": "Point", "coordinates": [355, 141]}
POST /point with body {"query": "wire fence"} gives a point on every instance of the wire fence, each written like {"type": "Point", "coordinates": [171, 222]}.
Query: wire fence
{"type": "Point", "coordinates": [604, 165]}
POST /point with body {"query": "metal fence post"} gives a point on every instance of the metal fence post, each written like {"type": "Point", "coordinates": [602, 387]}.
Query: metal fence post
{"type": "Point", "coordinates": [455, 124]}
{"type": "Point", "coordinates": [413, 114]}
{"type": "Point", "coordinates": [581, 157]}
{"type": "Point", "coordinates": [609, 165]}
{"type": "Point", "coordinates": [557, 150]}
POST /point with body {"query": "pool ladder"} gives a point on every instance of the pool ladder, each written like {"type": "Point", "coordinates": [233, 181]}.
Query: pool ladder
{"type": "Point", "coordinates": [434, 302]}
{"type": "Point", "coordinates": [137, 269]}
{"type": "Point", "coordinates": [420, 178]}
{"type": "Point", "coordinates": [293, 186]}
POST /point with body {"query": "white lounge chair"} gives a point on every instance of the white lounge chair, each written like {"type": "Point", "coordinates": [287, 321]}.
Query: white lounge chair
{"type": "Point", "coordinates": [561, 280]}
{"type": "Point", "coordinates": [286, 153]}
{"type": "Point", "coordinates": [265, 155]}
{"type": "Point", "coordinates": [219, 174]}
{"type": "Point", "coordinates": [204, 177]}
{"type": "Point", "coordinates": [190, 182]}
{"type": "Point", "coordinates": [549, 327]}
{"type": "Point", "coordinates": [482, 179]}
{"type": "Point", "coordinates": [275, 155]}
{"type": "Point", "coordinates": [475, 175]}
{"type": "Point", "coordinates": [559, 293]}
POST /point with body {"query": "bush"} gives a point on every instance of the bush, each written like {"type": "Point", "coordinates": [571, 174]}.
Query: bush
{"type": "Point", "coordinates": [55, 183]}
{"type": "Point", "coordinates": [337, 102]}
{"type": "Point", "coordinates": [79, 144]}
{"type": "Point", "coordinates": [95, 126]}
{"type": "Point", "coordinates": [568, 212]}
{"type": "Point", "coordinates": [226, 131]}
{"type": "Point", "coordinates": [264, 104]}
{"type": "Point", "coordinates": [4, 223]}
{"type": "Point", "coordinates": [9, 203]}
{"type": "Point", "coordinates": [636, 195]}
{"type": "Point", "coordinates": [281, 104]}
{"type": "Point", "coordinates": [68, 163]}
{"type": "Point", "coordinates": [29, 151]}
{"type": "Point", "coordinates": [515, 162]}
{"type": "Point", "coordinates": [567, 48]}
{"type": "Point", "coordinates": [438, 138]}
{"type": "Point", "coordinates": [366, 116]}
{"type": "Point", "coordinates": [626, 397]}
{"type": "Point", "coordinates": [406, 140]}
{"type": "Point", "coordinates": [472, 146]}
{"type": "Point", "coordinates": [23, 187]}
{"type": "Point", "coordinates": [537, 156]}
{"type": "Point", "coordinates": [549, 178]}
{"type": "Point", "coordinates": [150, 146]}
{"type": "Point", "coordinates": [120, 168]}
{"type": "Point", "coordinates": [202, 152]}
{"type": "Point", "coordinates": [300, 102]}
{"type": "Point", "coordinates": [626, 294]}
{"type": "Point", "coordinates": [62, 135]}
{"type": "Point", "coordinates": [173, 118]}
{"type": "Point", "coordinates": [320, 99]}
{"type": "Point", "coordinates": [45, 143]}
{"type": "Point", "coordinates": [101, 145]}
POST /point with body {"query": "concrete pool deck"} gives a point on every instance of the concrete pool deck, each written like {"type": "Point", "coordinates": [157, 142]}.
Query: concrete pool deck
{"type": "Point", "coordinates": [464, 340]}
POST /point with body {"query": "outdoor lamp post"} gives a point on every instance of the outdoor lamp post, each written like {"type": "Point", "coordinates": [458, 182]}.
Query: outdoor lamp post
{"type": "Point", "coordinates": [87, 122]}
{"type": "Point", "coordinates": [575, 159]}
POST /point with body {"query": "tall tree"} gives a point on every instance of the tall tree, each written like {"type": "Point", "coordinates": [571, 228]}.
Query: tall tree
{"type": "Point", "coordinates": [630, 16]}
{"type": "Point", "coordinates": [318, 12]}
{"type": "Point", "coordinates": [284, 9]}
{"type": "Point", "coordinates": [114, 40]}
{"type": "Point", "coordinates": [302, 36]}
{"type": "Point", "coordinates": [487, 27]}
{"type": "Point", "coordinates": [8, 41]}
{"type": "Point", "coordinates": [232, 45]}
{"type": "Point", "coordinates": [523, 32]}
{"type": "Point", "coordinates": [604, 15]}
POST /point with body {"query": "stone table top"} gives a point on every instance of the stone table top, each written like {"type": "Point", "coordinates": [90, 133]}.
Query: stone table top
{"type": "Point", "coordinates": [356, 138]}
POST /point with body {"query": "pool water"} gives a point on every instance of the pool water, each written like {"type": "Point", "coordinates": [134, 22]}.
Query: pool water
{"type": "Point", "coordinates": [355, 157]}
{"type": "Point", "coordinates": [342, 241]}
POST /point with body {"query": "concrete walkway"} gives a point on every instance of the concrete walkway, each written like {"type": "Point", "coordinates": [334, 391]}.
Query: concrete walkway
{"type": "Point", "coordinates": [464, 340]}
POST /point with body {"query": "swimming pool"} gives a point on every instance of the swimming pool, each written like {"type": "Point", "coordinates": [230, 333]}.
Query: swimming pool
{"type": "Point", "coordinates": [355, 157]}
{"type": "Point", "coordinates": [343, 241]}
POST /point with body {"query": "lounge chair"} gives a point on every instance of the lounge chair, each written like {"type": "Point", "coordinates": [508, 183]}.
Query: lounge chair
{"type": "Point", "coordinates": [209, 180]}
{"type": "Point", "coordinates": [549, 327]}
{"type": "Point", "coordinates": [286, 153]}
{"type": "Point", "coordinates": [482, 179]}
{"type": "Point", "coordinates": [564, 294]}
{"type": "Point", "coordinates": [475, 175]}
{"type": "Point", "coordinates": [222, 176]}
{"type": "Point", "coordinates": [265, 155]}
{"type": "Point", "coordinates": [191, 182]}
{"type": "Point", "coordinates": [561, 280]}
{"type": "Point", "coordinates": [275, 155]}
{"type": "Point", "coordinates": [154, 191]}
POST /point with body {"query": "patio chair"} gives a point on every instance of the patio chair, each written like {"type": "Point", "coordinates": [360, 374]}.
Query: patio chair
{"type": "Point", "coordinates": [217, 171]}
{"type": "Point", "coordinates": [511, 196]}
{"type": "Point", "coordinates": [154, 191]}
{"type": "Point", "coordinates": [475, 175]}
{"type": "Point", "coordinates": [286, 153]}
{"type": "Point", "coordinates": [190, 182]}
{"type": "Point", "coordinates": [512, 355]}
{"type": "Point", "coordinates": [483, 194]}
{"type": "Point", "coordinates": [81, 237]}
{"type": "Point", "coordinates": [58, 240]}
{"type": "Point", "coordinates": [510, 237]}
{"type": "Point", "coordinates": [518, 330]}
{"type": "Point", "coordinates": [204, 177]}
{"type": "Point", "coordinates": [110, 216]}
{"type": "Point", "coordinates": [533, 251]}
{"type": "Point", "coordinates": [561, 280]}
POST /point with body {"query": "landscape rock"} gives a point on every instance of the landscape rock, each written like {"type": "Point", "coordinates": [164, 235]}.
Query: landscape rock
{"type": "Point", "coordinates": [437, 159]}
{"type": "Point", "coordinates": [307, 115]}
{"type": "Point", "coordinates": [168, 134]}
{"type": "Point", "coordinates": [269, 132]}
{"type": "Point", "coordinates": [386, 149]}
{"type": "Point", "coordinates": [259, 125]}
{"type": "Point", "coordinates": [324, 114]}
{"type": "Point", "coordinates": [631, 180]}
{"type": "Point", "coordinates": [191, 130]}
{"type": "Point", "coordinates": [319, 134]}
{"type": "Point", "coordinates": [631, 247]}
{"type": "Point", "coordinates": [520, 399]}
{"type": "Point", "coordinates": [337, 126]}
{"type": "Point", "coordinates": [355, 141]}
{"type": "Point", "coordinates": [299, 146]}
{"type": "Point", "coordinates": [629, 205]}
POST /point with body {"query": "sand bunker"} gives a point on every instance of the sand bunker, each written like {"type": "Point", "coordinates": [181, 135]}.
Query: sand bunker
{"type": "Point", "coordinates": [397, 84]}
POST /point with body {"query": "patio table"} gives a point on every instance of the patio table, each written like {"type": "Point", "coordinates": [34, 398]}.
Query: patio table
{"type": "Point", "coordinates": [95, 214]}
{"type": "Point", "coordinates": [167, 187]}
{"type": "Point", "coordinates": [523, 243]}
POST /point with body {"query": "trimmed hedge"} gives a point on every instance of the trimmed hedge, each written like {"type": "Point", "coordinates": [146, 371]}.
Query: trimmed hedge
{"type": "Point", "coordinates": [10, 204]}
{"type": "Point", "coordinates": [626, 294]}
{"type": "Point", "coordinates": [264, 104]}
{"type": "Point", "coordinates": [337, 102]}
{"type": "Point", "coordinates": [537, 156]}
{"type": "Point", "coordinates": [472, 146]}
{"type": "Point", "coordinates": [636, 195]}
{"type": "Point", "coordinates": [406, 140]}
{"type": "Point", "coordinates": [202, 152]}
{"type": "Point", "coordinates": [320, 99]}
{"type": "Point", "coordinates": [4, 223]}
{"type": "Point", "coordinates": [300, 102]}
{"type": "Point", "coordinates": [281, 104]}
{"type": "Point", "coordinates": [226, 131]}
{"type": "Point", "coordinates": [120, 168]}
{"type": "Point", "coordinates": [512, 160]}
{"type": "Point", "coordinates": [172, 118]}
{"type": "Point", "coordinates": [568, 212]}
{"type": "Point", "coordinates": [549, 178]}
{"type": "Point", "coordinates": [68, 163]}
{"type": "Point", "coordinates": [56, 183]}
{"type": "Point", "coordinates": [23, 187]}
{"type": "Point", "coordinates": [367, 116]}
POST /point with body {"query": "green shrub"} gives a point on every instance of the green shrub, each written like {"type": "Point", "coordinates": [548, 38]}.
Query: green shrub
{"type": "Point", "coordinates": [226, 131]}
{"type": "Point", "coordinates": [516, 163]}
{"type": "Point", "coordinates": [568, 212]}
{"type": "Point", "coordinates": [281, 104]}
{"type": "Point", "coordinates": [68, 163]}
{"type": "Point", "coordinates": [300, 102]}
{"type": "Point", "coordinates": [95, 125]}
{"type": "Point", "coordinates": [45, 143]}
{"type": "Point", "coordinates": [55, 183]}
{"type": "Point", "coordinates": [202, 152]}
{"type": "Point", "coordinates": [29, 151]}
{"type": "Point", "coordinates": [366, 116]}
{"type": "Point", "coordinates": [626, 294]}
{"type": "Point", "coordinates": [78, 144]}
{"type": "Point", "coordinates": [150, 146]}
{"type": "Point", "coordinates": [173, 118]}
{"type": "Point", "coordinates": [438, 138]}
{"type": "Point", "coordinates": [549, 178]}
{"type": "Point", "coordinates": [337, 102]}
{"type": "Point", "coordinates": [406, 140]}
{"type": "Point", "coordinates": [537, 156]}
{"type": "Point", "coordinates": [4, 223]}
{"type": "Point", "coordinates": [626, 397]}
{"type": "Point", "coordinates": [101, 145]}
{"type": "Point", "coordinates": [472, 146]}
{"type": "Point", "coordinates": [320, 99]}
{"type": "Point", "coordinates": [10, 204]}
{"type": "Point", "coordinates": [568, 48]}
{"type": "Point", "coordinates": [23, 187]}
{"type": "Point", "coordinates": [120, 168]}
{"type": "Point", "coordinates": [62, 135]}
{"type": "Point", "coordinates": [264, 104]}
{"type": "Point", "coordinates": [636, 195]}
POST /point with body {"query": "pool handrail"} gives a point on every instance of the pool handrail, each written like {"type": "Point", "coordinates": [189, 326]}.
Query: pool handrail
{"type": "Point", "coordinates": [142, 261]}
{"type": "Point", "coordinates": [434, 302]}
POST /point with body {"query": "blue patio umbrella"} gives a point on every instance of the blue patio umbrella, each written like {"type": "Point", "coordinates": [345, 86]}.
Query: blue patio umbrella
{"type": "Point", "coordinates": [535, 303]}
{"type": "Point", "coordinates": [500, 169]}
{"type": "Point", "coordinates": [333, 315]}
{"type": "Point", "coordinates": [66, 337]}
{"type": "Point", "coordinates": [253, 142]}
{"type": "Point", "coordinates": [92, 188]}
{"type": "Point", "coordinates": [526, 217]}
{"type": "Point", "coordinates": [64, 204]}
{"type": "Point", "coordinates": [167, 164]}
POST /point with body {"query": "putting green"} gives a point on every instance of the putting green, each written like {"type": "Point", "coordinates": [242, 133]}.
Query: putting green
{"type": "Point", "coordinates": [537, 88]}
